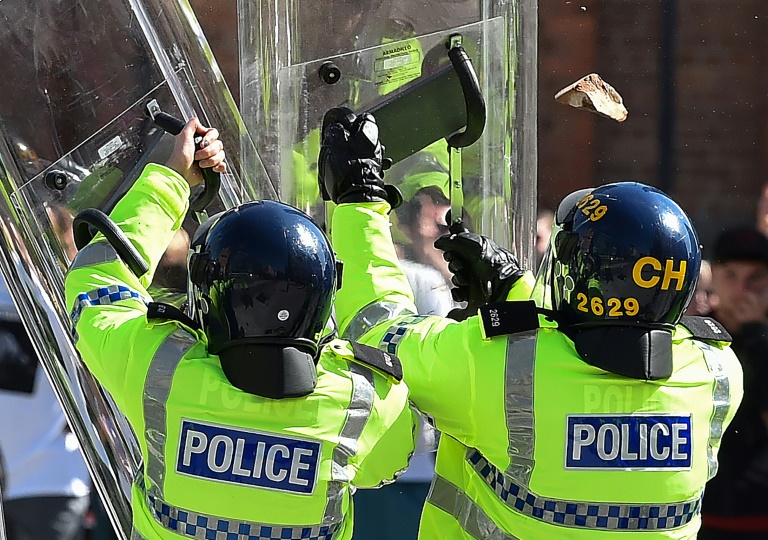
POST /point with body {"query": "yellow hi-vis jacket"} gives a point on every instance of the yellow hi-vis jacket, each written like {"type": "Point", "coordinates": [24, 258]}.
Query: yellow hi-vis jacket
{"type": "Point", "coordinates": [218, 462]}
{"type": "Point", "coordinates": [536, 443]}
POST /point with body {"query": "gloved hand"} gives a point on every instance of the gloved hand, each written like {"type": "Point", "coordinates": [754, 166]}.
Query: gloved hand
{"type": "Point", "coordinates": [351, 164]}
{"type": "Point", "coordinates": [483, 272]}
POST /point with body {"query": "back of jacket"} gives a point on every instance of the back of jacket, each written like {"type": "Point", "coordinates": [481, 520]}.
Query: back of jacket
{"type": "Point", "coordinates": [536, 442]}
{"type": "Point", "coordinates": [219, 461]}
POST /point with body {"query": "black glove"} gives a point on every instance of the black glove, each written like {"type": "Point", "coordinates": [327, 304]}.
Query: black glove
{"type": "Point", "coordinates": [483, 272]}
{"type": "Point", "coordinates": [351, 164]}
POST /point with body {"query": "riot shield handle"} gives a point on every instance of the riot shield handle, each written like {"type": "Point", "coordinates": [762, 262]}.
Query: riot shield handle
{"type": "Point", "coordinates": [93, 219]}
{"type": "Point", "coordinates": [473, 95]}
{"type": "Point", "coordinates": [173, 125]}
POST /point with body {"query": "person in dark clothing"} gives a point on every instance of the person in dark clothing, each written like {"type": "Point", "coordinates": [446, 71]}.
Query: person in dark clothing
{"type": "Point", "coordinates": [734, 504]}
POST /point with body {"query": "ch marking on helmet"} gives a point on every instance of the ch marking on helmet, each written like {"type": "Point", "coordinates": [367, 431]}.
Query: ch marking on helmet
{"type": "Point", "coordinates": [622, 442]}
{"type": "Point", "coordinates": [241, 456]}
{"type": "Point", "coordinates": [653, 266]}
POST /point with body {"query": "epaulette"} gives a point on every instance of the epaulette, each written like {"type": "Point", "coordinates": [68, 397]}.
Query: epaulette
{"type": "Point", "coordinates": [504, 318]}
{"type": "Point", "coordinates": [706, 328]}
{"type": "Point", "coordinates": [378, 359]}
{"type": "Point", "coordinates": [158, 310]}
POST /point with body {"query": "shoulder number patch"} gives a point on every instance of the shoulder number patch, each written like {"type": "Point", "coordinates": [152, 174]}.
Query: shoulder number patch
{"type": "Point", "coordinates": [504, 318]}
{"type": "Point", "coordinates": [383, 361]}
{"type": "Point", "coordinates": [623, 442]}
{"type": "Point", "coordinates": [706, 328]}
{"type": "Point", "coordinates": [240, 456]}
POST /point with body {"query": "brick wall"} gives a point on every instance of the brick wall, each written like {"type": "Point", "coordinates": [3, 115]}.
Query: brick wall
{"type": "Point", "coordinates": [719, 130]}
{"type": "Point", "coordinates": [219, 22]}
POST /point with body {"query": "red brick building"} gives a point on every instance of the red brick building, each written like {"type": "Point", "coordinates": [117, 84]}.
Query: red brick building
{"type": "Point", "coordinates": [693, 77]}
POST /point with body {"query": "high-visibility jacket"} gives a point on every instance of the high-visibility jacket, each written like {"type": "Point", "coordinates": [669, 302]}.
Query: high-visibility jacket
{"type": "Point", "coordinates": [219, 462]}
{"type": "Point", "coordinates": [537, 444]}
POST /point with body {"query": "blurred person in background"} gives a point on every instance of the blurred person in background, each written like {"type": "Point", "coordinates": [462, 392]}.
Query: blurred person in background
{"type": "Point", "coordinates": [701, 303]}
{"type": "Point", "coordinates": [761, 223]}
{"type": "Point", "coordinates": [734, 504]}
{"type": "Point", "coordinates": [45, 496]}
{"type": "Point", "coordinates": [420, 221]}
{"type": "Point", "coordinates": [544, 220]}
{"type": "Point", "coordinates": [422, 218]}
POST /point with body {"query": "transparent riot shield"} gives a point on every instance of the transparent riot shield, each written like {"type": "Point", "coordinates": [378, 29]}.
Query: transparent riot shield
{"type": "Point", "coordinates": [301, 58]}
{"type": "Point", "coordinates": [395, 58]}
{"type": "Point", "coordinates": [75, 133]}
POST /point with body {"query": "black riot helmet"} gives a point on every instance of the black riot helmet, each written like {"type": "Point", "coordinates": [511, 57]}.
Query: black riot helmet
{"type": "Point", "coordinates": [622, 255]}
{"type": "Point", "coordinates": [262, 282]}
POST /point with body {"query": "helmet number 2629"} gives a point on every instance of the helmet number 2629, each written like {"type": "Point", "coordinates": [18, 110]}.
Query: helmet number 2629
{"type": "Point", "coordinates": [616, 307]}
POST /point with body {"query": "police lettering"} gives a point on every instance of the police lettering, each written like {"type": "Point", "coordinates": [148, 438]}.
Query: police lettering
{"type": "Point", "coordinates": [248, 457]}
{"type": "Point", "coordinates": [629, 442]}
{"type": "Point", "coordinates": [654, 266]}
{"type": "Point", "coordinates": [616, 398]}
{"type": "Point", "coordinates": [216, 392]}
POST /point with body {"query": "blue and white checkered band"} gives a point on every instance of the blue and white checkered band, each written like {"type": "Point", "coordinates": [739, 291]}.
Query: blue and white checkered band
{"type": "Point", "coordinates": [629, 442]}
{"type": "Point", "coordinates": [582, 514]}
{"type": "Point", "coordinates": [395, 333]}
{"type": "Point", "coordinates": [247, 457]}
{"type": "Point", "coordinates": [100, 297]}
{"type": "Point", "coordinates": [196, 525]}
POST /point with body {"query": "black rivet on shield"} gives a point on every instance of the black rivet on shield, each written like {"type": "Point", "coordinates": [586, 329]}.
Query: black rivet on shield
{"type": "Point", "coordinates": [329, 73]}
{"type": "Point", "coordinates": [55, 180]}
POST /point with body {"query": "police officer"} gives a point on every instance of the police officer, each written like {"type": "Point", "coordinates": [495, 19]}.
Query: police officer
{"type": "Point", "coordinates": [592, 414]}
{"type": "Point", "coordinates": [252, 420]}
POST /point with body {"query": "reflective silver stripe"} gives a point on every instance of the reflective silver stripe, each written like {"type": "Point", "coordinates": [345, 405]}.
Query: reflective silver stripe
{"type": "Point", "coordinates": [136, 535]}
{"type": "Point", "coordinates": [475, 522]}
{"type": "Point", "coordinates": [358, 413]}
{"type": "Point", "coordinates": [157, 387]}
{"type": "Point", "coordinates": [584, 514]}
{"type": "Point", "coordinates": [371, 316]}
{"type": "Point", "coordinates": [518, 404]}
{"type": "Point", "coordinates": [93, 254]}
{"type": "Point", "coordinates": [721, 401]}
{"type": "Point", "coordinates": [204, 526]}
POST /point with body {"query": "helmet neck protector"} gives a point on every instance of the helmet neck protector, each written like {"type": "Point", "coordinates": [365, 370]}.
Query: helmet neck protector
{"type": "Point", "coordinates": [274, 371]}
{"type": "Point", "coordinates": [631, 351]}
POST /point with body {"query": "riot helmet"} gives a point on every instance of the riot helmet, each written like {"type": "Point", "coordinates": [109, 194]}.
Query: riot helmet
{"type": "Point", "coordinates": [263, 278]}
{"type": "Point", "coordinates": [622, 255]}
